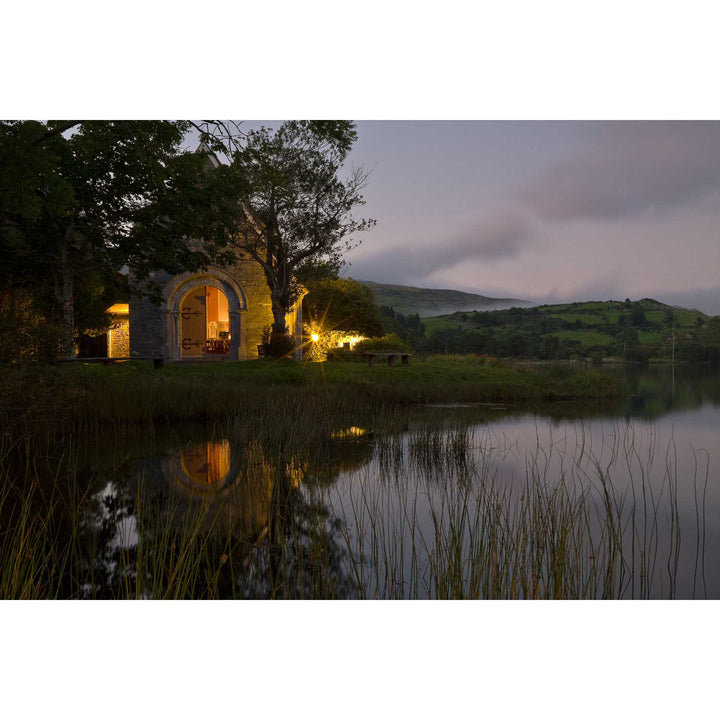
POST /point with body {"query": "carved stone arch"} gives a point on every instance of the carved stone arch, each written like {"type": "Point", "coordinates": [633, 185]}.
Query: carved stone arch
{"type": "Point", "coordinates": [180, 285]}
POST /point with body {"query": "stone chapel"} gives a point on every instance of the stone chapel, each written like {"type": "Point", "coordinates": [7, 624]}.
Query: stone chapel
{"type": "Point", "coordinates": [218, 314]}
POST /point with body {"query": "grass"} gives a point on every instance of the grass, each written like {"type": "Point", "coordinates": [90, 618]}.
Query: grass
{"type": "Point", "coordinates": [587, 338]}
{"type": "Point", "coordinates": [442, 522]}
{"type": "Point", "coordinates": [439, 322]}
{"type": "Point", "coordinates": [134, 392]}
{"type": "Point", "coordinates": [655, 316]}
{"type": "Point", "coordinates": [646, 337]}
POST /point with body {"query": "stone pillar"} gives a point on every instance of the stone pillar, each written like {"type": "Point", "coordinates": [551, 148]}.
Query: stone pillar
{"type": "Point", "coordinates": [146, 328]}
{"type": "Point", "coordinates": [172, 343]}
{"type": "Point", "coordinates": [238, 351]}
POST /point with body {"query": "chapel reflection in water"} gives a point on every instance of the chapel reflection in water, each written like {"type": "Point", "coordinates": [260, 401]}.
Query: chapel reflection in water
{"type": "Point", "coordinates": [241, 484]}
{"type": "Point", "coordinates": [202, 465]}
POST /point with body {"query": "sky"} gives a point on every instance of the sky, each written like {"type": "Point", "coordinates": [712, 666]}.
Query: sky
{"type": "Point", "coordinates": [544, 210]}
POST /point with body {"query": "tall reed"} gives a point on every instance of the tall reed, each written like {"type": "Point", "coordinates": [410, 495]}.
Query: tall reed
{"type": "Point", "coordinates": [397, 508]}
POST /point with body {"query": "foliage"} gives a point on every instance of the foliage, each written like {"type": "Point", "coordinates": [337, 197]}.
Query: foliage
{"type": "Point", "coordinates": [75, 208]}
{"type": "Point", "coordinates": [79, 200]}
{"type": "Point", "coordinates": [408, 328]}
{"type": "Point", "coordinates": [343, 305]}
{"type": "Point", "coordinates": [281, 346]}
{"type": "Point", "coordinates": [592, 330]}
{"type": "Point", "coordinates": [386, 343]}
{"type": "Point", "coordinates": [25, 335]}
{"type": "Point", "coordinates": [313, 271]}
{"type": "Point", "coordinates": [295, 209]}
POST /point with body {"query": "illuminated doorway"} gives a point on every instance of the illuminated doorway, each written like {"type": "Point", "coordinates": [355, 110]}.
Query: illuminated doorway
{"type": "Point", "coordinates": [205, 323]}
{"type": "Point", "coordinates": [206, 463]}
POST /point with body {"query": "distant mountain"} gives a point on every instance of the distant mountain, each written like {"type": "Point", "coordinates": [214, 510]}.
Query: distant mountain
{"type": "Point", "coordinates": [427, 302]}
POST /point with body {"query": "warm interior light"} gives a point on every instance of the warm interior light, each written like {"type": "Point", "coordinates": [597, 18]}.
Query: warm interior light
{"type": "Point", "coordinates": [351, 340]}
{"type": "Point", "coordinates": [315, 337]}
{"type": "Point", "coordinates": [119, 309]}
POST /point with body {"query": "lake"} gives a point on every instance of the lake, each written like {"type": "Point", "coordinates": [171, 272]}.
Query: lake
{"type": "Point", "coordinates": [604, 500]}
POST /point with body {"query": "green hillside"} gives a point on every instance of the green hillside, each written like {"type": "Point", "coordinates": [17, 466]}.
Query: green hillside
{"type": "Point", "coordinates": [428, 301]}
{"type": "Point", "coordinates": [632, 330]}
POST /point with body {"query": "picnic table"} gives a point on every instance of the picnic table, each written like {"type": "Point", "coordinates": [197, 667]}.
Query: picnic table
{"type": "Point", "coordinates": [372, 357]}
{"type": "Point", "coordinates": [158, 362]}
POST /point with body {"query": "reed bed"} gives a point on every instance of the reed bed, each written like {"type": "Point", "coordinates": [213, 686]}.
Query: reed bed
{"type": "Point", "coordinates": [88, 398]}
{"type": "Point", "coordinates": [460, 528]}
{"type": "Point", "coordinates": [405, 511]}
{"type": "Point", "coordinates": [338, 490]}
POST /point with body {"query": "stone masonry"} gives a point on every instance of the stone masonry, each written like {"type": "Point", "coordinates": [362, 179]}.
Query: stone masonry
{"type": "Point", "coordinates": [155, 330]}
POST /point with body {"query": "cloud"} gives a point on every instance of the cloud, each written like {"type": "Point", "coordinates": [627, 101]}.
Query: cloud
{"type": "Point", "coordinates": [628, 169]}
{"type": "Point", "coordinates": [501, 235]}
{"type": "Point", "coordinates": [708, 301]}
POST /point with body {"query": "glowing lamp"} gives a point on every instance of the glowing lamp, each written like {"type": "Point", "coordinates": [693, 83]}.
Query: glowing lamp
{"type": "Point", "coordinates": [315, 337]}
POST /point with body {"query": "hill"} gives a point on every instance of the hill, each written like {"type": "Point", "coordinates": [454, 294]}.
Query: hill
{"type": "Point", "coordinates": [429, 301]}
{"type": "Point", "coordinates": [633, 330]}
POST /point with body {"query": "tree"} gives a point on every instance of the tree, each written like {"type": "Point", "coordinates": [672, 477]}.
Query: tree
{"type": "Point", "coordinates": [343, 305]}
{"type": "Point", "coordinates": [82, 205]}
{"type": "Point", "coordinates": [296, 210]}
{"type": "Point", "coordinates": [628, 340]}
{"type": "Point", "coordinates": [637, 316]}
{"type": "Point", "coordinates": [409, 328]}
{"type": "Point", "coordinates": [549, 348]}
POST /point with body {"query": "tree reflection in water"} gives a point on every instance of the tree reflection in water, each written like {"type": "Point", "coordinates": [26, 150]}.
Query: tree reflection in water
{"type": "Point", "coordinates": [222, 519]}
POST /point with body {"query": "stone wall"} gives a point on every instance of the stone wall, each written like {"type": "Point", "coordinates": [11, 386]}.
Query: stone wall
{"type": "Point", "coordinates": [118, 337]}
{"type": "Point", "coordinates": [258, 316]}
{"type": "Point", "coordinates": [147, 323]}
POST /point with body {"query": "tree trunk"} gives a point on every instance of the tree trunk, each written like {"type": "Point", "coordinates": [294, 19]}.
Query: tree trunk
{"type": "Point", "coordinates": [68, 316]}
{"type": "Point", "coordinates": [279, 326]}
{"type": "Point", "coordinates": [67, 303]}
{"type": "Point", "coordinates": [282, 344]}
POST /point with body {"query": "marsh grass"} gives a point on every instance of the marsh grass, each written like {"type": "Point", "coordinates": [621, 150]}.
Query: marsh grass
{"type": "Point", "coordinates": [406, 509]}
{"type": "Point", "coordinates": [135, 393]}
{"type": "Point", "coordinates": [451, 529]}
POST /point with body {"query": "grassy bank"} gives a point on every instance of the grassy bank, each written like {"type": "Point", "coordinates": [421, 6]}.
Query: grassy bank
{"type": "Point", "coordinates": [137, 393]}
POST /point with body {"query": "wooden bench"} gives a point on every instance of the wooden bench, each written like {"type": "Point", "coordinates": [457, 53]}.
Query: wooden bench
{"type": "Point", "coordinates": [158, 362]}
{"type": "Point", "coordinates": [372, 357]}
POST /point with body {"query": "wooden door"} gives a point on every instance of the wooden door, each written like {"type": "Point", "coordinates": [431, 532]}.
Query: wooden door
{"type": "Point", "coordinates": [194, 322]}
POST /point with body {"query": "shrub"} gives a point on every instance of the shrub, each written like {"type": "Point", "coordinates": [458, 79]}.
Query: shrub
{"type": "Point", "coordinates": [25, 336]}
{"type": "Point", "coordinates": [342, 354]}
{"type": "Point", "coordinates": [386, 343]}
{"type": "Point", "coordinates": [281, 346]}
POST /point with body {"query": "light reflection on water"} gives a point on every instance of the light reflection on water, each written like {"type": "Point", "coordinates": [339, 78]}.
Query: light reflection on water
{"type": "Point", "coordinates": [658, 455]}
{"type": "Point", "coordinates": [662, 475]}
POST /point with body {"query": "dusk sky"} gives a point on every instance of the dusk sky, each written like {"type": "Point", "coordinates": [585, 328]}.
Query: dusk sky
{"type": "Point", "coordinates": [544, 211]}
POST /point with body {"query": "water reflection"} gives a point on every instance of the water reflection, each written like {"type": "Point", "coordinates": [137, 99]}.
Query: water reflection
{"type": "Point", "coordinates": [664, 388]}
{"type": "Point", "coordinates": [349, 433]}
{"type": "Point", "coordinates": [360, 509]}
{"type": "Point", "coordinates": [363, 506]}
{"type": "Point", "coordinates": [201, 467]}
{"type": "Point", "coordinates": [253, 503]}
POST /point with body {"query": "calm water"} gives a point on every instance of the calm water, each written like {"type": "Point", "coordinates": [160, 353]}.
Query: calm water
{"type": "Point", "coordinates": [381, 510]}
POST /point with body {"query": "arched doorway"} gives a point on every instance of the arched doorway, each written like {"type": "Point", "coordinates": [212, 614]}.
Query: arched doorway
{"type": "Point", "coordinates": [186, 295]}
{"type": "Point", "coordinates": [205, 323]}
